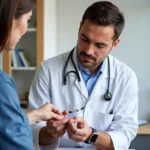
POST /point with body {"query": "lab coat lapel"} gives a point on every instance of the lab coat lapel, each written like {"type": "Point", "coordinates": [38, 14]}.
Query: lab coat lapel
{"type": "Point", "coordinates": [102, 82]}
{"type": "Point", "coordinates": [80, 85]}
{"type": "Point", "coordinates": [82, 88]}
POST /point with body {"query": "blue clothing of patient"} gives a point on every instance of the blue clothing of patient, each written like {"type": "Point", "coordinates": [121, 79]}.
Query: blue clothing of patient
{"type": "Point", "coordinates": [15, 131]}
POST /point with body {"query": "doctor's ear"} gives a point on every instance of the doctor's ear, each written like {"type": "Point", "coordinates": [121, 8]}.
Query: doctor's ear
{"type": "Point", "coordinates": [115, 44]}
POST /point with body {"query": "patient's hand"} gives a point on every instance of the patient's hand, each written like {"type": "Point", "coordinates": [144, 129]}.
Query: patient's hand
{"type": "Point", "coordinates": [49, 111]}
{"type": "Point", "coordinates": [44, 113]}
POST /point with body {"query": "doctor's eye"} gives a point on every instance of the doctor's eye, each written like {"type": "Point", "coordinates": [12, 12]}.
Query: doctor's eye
{"type": "Point", "coordinates": [100, 46]}
{"type": "Point", "coordinates": [84, 38]}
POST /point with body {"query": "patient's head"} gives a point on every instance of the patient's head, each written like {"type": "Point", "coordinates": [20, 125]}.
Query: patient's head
{"type": "Point", "coordinates": [14, 17]}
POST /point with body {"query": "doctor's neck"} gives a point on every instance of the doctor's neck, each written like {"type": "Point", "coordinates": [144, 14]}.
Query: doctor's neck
{"type": "Point", "coordinates": [94, 69]}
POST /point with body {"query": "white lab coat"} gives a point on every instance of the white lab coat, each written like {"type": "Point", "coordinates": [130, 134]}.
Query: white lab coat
{"type": "Point", "coordinates": [121, 125]}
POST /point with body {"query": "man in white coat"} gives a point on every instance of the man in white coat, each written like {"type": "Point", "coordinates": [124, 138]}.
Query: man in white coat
{"type": "Point", "coordinates": [98, 98]}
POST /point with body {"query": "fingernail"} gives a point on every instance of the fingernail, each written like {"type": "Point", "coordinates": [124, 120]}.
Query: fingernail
{"type": "Point", "coordinates": [61, 117]}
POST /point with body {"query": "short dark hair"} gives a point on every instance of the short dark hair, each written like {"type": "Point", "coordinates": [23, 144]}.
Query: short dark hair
{"type": "Point", "coordinates": [10, 9]}
{"type": "Point", "coordinates": [106, 14]}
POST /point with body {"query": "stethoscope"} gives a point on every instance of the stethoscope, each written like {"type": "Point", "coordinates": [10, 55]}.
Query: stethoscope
{"type": "Point", "coordinates": [107, 95]}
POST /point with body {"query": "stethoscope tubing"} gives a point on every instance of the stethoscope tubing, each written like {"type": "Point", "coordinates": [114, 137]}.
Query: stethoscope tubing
{"type": "Point", "coordinates": [107, 95]}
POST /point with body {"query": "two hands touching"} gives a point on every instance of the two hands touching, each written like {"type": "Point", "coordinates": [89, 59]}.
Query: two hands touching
{"type": "Point", "coordinates": [44, 113]}
{"type": "Point", "coordinates": [78, 133]}
{"type": "Point", "coordinates": [58, 123]}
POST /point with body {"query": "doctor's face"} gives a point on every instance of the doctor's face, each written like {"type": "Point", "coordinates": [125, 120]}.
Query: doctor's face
{"type": "Point", "coordinates": [94, 44]}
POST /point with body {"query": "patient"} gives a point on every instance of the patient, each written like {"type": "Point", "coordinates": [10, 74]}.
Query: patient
{"type": "Point", "coordinates": [15, 131]}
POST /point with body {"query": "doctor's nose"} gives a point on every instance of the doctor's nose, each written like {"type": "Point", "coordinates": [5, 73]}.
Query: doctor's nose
{"type": "Point", "coordinates": [89, 49]}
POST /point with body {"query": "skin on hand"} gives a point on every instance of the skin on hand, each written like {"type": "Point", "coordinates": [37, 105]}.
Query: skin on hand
{"type": "Point", "coordinates": [78, 133]}
{"type": "Point", "coordinates": [49, 111]}
{"type": "Point", "coordinates": [44, 113]}
{"type": "Point", "coordinates": [56, 127]}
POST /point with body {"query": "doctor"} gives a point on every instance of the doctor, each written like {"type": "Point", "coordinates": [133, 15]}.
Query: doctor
{"type": "Point", "coordinates": [97, 94]}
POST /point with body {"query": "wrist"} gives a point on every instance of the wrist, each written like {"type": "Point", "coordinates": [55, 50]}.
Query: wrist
{"type": "Point", "coordinates": [38, 115]}
{"type": "Point", "coordinates": [90, 133]}
{"type": "Point", "coordinates": [45, 137]}
{"type": "Point", "coordinates": [33, 116]}
{"type": "Point", "coordinates": [93, 137]}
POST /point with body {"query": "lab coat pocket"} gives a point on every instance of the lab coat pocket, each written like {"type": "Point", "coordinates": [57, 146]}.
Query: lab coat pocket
{"type": "Point", "coordinates": [104, 121]}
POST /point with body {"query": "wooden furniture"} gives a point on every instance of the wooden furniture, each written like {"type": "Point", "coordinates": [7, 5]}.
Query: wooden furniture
{"type": "Point", "coordinates": [142, 140]}
{"type": "Point", "coordinates": [39, 39]}
{"type": "Point", "coordinates": [144, 129]}
{"type": "Point", "coordinates": [33, 45]}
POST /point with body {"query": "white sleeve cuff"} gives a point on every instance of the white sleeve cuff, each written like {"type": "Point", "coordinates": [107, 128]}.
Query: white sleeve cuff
{"type": "Point", "coordinates": [119, 140]}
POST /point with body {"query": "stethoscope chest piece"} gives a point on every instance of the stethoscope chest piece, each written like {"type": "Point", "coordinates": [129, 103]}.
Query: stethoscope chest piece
{"type": "Point", "coordinates": [107, 96]}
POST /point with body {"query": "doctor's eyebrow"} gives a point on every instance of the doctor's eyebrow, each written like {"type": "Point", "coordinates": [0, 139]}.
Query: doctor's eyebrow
{"type": "Point", "coordinates": [100, 44]}
{"type": "Point", "coordinates": [84, 37]}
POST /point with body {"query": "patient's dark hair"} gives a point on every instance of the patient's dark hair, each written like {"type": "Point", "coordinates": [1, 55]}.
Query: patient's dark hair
{"type": "Point", "coordinates": [10, 9]}
{"type": "Point", "coordinates": [106, 14]}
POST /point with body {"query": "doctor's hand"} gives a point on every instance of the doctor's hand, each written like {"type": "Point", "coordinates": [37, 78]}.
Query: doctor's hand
{"type": "Point", "coordinates": [57, 128]}
{"type": "Point", "coordinates": [79, 132]}
{"type": "Point", "coordinates": [44, 113]}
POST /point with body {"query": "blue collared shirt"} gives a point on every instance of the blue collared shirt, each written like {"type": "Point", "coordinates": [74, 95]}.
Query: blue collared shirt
{"type": "Point", "coordinates": [89, 79]}
{"type": "Point", "coordinates": [15, 130]}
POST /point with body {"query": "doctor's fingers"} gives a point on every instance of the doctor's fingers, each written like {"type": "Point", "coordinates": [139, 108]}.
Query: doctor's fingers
{"type": "Point", "coordinates": [81, 123]}
{"type": "Point", "coordinates": [55, 123]}
{"type": "Point", "coordinates": [79, 120]}
{"type": "Point", "coordinates": [65, 113]}
{"type": "Point", "coordinates": [74, 137]}
{"type": "Point", "coordinates": [52, 129]}
{"type": "Point", "coordinates": [77, 131]}
{"type": "Point", "coordinates": [59, 134]}
{"type": "Point", "coordinates": [56, 130]}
